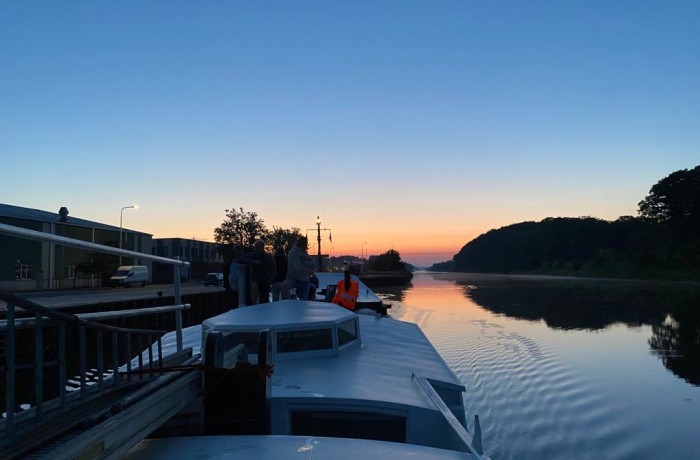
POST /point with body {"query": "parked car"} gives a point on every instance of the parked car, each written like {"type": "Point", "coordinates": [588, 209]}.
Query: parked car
{"type": "Point", "coordinates": [214, 279]}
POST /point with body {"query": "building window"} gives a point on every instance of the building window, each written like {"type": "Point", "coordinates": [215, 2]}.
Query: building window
{"type": "Point", "coordinates": [23, 272]}
{"type": "Point", "coordinates": [70, 271]}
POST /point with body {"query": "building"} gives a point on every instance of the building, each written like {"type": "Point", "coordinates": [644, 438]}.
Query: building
{"type": "Point", "coordinates": [204, 257]}
{"type": "Point", "coordinates": [28, 265]}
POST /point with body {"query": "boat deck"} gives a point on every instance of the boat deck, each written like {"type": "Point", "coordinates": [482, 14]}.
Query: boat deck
{"type": "Point", "coordinates": [380, 371]}
{"type": "Point", "coordinates": [283, 447]}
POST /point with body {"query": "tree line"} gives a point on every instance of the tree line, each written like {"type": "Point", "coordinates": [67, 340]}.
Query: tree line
{"type": "Point", "coordinates": [662, 241]}
{"type": "Point", "coordinates": [242, 228]}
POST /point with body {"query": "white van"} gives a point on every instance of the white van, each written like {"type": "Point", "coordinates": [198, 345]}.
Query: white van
{"type": "Point", "coordinates": [129, 275]}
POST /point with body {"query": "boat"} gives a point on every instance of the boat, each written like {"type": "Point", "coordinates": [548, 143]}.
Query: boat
{"type": "Point", "coordinates": [293, 378]}
{"type": "Point", "coordinates": [336, 383]}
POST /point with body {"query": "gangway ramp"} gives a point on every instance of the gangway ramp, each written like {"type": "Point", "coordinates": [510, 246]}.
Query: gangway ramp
{"type": "Point", "coordinates": [112, 424]}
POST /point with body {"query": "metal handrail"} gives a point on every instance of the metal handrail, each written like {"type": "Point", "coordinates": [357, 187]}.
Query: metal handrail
{"type": "Point", "coordinates": [56, 239]}
{"type": "Point", "coordinates": [46, 317]}
{"type": "Point", "coordinates": [21, 323]}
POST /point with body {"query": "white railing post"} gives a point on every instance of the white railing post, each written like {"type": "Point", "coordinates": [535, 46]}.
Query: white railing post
{"type": "Point", "coordinates": [178, 313]}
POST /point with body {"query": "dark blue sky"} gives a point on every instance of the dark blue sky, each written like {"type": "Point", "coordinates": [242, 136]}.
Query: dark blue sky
{"type": "Point", "coordinates": [436, 120]}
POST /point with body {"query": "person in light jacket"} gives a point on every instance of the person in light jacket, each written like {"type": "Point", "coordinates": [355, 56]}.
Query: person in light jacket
{"type": "Point", "coordinates": [300, 267]}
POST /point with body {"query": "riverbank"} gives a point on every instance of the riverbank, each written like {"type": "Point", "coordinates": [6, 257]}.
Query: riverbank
{"type": "Point", "coordinates": [650, 275]}
{"type": "Point", "coordinates": [384, 279]}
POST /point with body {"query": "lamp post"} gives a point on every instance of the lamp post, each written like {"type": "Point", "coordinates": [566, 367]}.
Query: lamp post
{"type": "Point", "coordinates": [121, 220]}
{"type": "Point", "coordinates": [318, 239]}
{"type": "Point", "coordinates": [363, 268]}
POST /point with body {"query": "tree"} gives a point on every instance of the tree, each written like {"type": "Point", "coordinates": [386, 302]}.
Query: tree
{"type": "Point", "coordinates": [283, 237]}
{"type": "Point", "coordinates": [389, 261]}
{"type": "Point", "coordinates": [674, 200]}
{"type": "Point", "coordinates": [98, 264]}
{"type": "Point", "coordinates": [240, 228]}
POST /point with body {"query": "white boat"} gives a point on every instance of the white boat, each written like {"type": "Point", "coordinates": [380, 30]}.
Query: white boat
{"type": "Point", "coordinates": [344, 384]}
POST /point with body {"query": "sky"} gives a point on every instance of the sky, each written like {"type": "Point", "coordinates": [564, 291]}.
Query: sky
{"type": "Point", "coordinates": [407, 125]}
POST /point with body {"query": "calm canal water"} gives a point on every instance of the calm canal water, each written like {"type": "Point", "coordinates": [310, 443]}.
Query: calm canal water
{"type": "Point", "coordinates": [562, 368]}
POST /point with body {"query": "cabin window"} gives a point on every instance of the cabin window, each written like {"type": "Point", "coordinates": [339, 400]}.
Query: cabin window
{"type": "Point", "coordinates": [305, 340]}
{"type": "Point", "coordinates": [348, 424]}
{"type": "Point", "coordinates": [347, 332]}
{"type": "Point", "coordinates": [249, 339]}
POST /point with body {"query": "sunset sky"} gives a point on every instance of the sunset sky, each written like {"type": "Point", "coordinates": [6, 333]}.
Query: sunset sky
{"type": "Point", "coordinates": [413, 125]}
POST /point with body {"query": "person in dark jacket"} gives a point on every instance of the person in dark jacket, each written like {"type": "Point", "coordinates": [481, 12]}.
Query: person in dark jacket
{"type": "Point", "coordinates": [313, 285]}
{"type": "Point", "coordinates": [281, 266]}
{"type": "Point", "coordinates": [262, 273]}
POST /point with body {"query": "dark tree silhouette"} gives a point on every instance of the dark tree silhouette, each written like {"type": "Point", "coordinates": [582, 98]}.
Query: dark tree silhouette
{"type": "Point", "coordinates": [674, 200]}
{"type": "Point", "coordinates": [240, 227]}
{"type": "Point", "coordinates": [283, 237]}
{"type": "Point", "coordinates": [389, 261]}
{"type": "Point", "coordinates": [663, 242]}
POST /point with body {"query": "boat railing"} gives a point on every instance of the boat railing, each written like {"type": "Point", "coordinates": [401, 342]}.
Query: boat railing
{"type": "Point", "coordinates": [468, 442]}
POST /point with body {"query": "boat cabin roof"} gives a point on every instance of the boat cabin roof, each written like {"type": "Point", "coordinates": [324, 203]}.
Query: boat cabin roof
{"type": "Point", "coordinates": [285, 313]}
{"type": "Point", "coordinates": [379, 371]}
{"type": "Point", "coordinates": [298, 328]}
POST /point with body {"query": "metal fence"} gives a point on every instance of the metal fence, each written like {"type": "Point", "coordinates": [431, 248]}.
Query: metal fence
{"type": "Point", "coordinates": [55, 368]}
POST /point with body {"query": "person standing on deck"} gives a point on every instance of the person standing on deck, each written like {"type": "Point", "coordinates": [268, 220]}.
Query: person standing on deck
{"type": "Point", "coordinates": [313, 285]}
{"type": "Point", "coordinates": [300, 267]}
{"type": "Point", "coordinates": [261, 274]}
{"type": "Point", "coordinates": [231, 274]}
{"type": "Point", "coordinates": [346, 292]}
{"type": "Point", "coordinates": [281, 264]}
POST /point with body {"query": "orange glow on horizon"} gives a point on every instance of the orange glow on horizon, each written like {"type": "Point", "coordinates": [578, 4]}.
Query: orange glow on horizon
{"type": "Point", "coordinates": [422, 248]}
{"type": "Point", "coordinates": [421, 242]}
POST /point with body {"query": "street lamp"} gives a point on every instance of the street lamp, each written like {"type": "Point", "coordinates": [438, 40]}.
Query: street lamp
{"type": "Point", "coordinates": [364, 261]}
{"type": "Point", "coordinates": [121, 220]}
{"type": "Point", "coordinates": [318, 239]}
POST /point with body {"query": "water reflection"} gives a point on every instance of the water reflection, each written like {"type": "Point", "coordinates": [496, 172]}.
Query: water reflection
{"type": "Point", "coordinates": [677, 342]}
{"type": "Point", "coordinates": [671, 309]}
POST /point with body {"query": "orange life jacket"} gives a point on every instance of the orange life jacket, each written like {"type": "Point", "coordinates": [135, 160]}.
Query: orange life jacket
{"type": "Point", "coordinates": [346, 298]}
